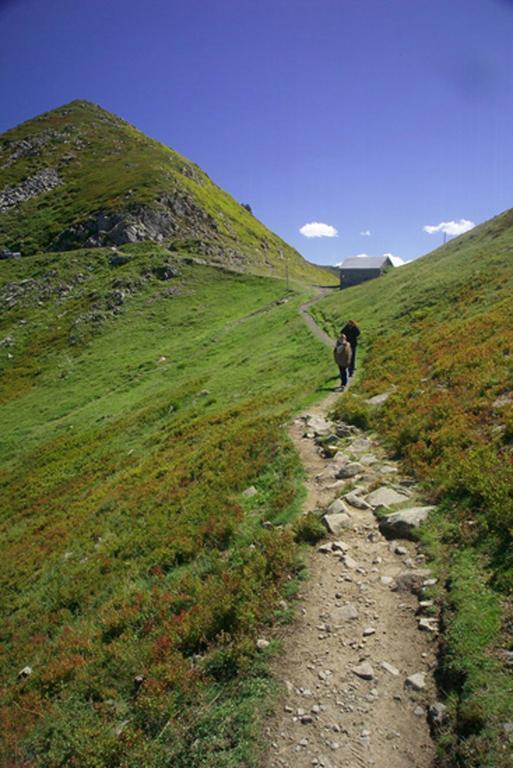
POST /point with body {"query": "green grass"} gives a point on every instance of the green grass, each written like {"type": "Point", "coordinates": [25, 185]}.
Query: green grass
{"type": "Point", "coordinates": [437, 335]}
{"type": "Point", "coordinates": [129, 434]}
{"type": "Point", "coordinates": [108, 166]}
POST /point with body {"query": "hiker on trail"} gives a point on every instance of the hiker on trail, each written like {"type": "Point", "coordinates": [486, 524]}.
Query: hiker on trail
{"type": "Point", "coordinates": [351, 331]}
{"type": "Point", "coordinates": [343, 356]}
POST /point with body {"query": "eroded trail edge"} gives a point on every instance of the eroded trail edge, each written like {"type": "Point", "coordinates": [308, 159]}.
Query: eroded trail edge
{"type": "Point", "coordinates": [357, 664]}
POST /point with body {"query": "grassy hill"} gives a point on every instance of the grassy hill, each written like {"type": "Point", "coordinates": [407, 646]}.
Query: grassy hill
{"type": "Point", "coordinates": [137, 404]}
{"type": "Point", "coordinates": [79, 176]}
{"type": "Point", "coordinates": [438, 335]}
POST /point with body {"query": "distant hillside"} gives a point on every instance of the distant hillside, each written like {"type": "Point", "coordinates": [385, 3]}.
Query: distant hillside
{"type": "Point", "coordinates": [79, 176]}
{"type": "Point", "coordinates": [437, 335]}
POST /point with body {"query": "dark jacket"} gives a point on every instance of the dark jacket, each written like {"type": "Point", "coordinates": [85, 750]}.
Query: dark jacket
{"type": "Point", "coordinates": [342, 353]}
{"type": "Point", "coordinates": [351, 332]}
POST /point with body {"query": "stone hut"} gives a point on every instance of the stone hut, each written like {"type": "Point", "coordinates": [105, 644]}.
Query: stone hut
{"type": "Point", "coordinates": [358, 269]}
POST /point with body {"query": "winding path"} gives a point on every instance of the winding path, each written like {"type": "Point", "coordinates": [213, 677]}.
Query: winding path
{"type": "Point", "coordinates": [352, 613]}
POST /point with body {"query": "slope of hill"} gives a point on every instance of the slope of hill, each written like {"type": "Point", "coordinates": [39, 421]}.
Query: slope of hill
{"type": "Point", "coordinates": [438, 336]}
{"type": "Point", "coordinates": [137, 404]}
{"type": "Point", "coordinates": [79, 176]}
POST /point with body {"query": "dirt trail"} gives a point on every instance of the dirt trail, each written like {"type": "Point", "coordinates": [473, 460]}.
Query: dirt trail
{"type": "Point", "coordinates": [353, 611]}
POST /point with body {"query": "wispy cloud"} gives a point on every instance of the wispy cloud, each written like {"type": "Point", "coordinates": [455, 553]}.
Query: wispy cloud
{"type": "Point", "coordinates": [318, 229]}
{"type": "Point", "coordinates": [450, 227]}
{"type": "Point", "coordinates": [365, 233]}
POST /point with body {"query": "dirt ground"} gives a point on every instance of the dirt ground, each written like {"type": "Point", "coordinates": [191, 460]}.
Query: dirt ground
{"type": "Point", "coordinates": [352, 613]}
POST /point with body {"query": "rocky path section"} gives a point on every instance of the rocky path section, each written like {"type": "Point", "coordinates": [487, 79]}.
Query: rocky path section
{"type": "Point", "coordinates": [357, 665]}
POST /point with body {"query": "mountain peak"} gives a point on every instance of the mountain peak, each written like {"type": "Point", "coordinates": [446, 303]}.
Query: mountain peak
{"type": "Point", "coordinates": [79, 176]}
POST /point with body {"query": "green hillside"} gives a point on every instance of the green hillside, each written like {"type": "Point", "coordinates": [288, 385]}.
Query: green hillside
{"type": "Point", "coordinates": [438, 336]}
{"type": "Point", "coordinates": [79, 176]}
{"type": "Point", "coordinates": [134, 573]}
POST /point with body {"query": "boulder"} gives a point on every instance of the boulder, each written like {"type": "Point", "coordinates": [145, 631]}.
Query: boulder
{"type": "Point", "coordinates": [350, 469]}
{"type": "Point", "coordinates": [354, 500]}
{"type": "Point", "coordinates": [400, 525]}
{"type": "Point", "coordinates": [336, 507]}
{"type": "Point", "coordinates": [360, 444]}
{"type": "Point", "coordinates": [386, 497]}
{"type": "Point", "coordinates": [437, 714]}
{"type": "Point", "coordinates": [378, 399]}
{"type": "Point", "coordinates": [416, 682]}
{"type": "Point", "coordinates": [412, 581]}
{"type": "Point", "coordinates": [337, 522]}
{"type": "Point", "coordinates": [341, 615]}
{"type": "Point", "coordinates": [364, 671]}
{"type": "Point", "coordinates": [249, 492]}
{"type": "Point", "coordinates": [319, 425]}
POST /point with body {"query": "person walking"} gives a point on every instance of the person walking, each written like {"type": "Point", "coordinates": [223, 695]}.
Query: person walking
{"type": "Point", "coordinates": [343, 356]}
{"type": "Point", "coordinates": [351, 332]}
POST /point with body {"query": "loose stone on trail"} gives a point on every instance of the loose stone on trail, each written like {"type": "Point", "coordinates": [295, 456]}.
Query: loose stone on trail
{"type": "Point", "coordinates": [386, 497]}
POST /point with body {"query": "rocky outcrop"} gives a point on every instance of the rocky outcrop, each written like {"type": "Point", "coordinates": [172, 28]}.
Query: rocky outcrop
{"type": "Point", "coordinates": [177, 216]}
{"type": "Point", "coordinates": [43, 181]}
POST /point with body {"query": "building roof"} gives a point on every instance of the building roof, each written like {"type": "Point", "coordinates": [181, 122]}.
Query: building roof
{"type": "Point", "coordinates": [365, 262]}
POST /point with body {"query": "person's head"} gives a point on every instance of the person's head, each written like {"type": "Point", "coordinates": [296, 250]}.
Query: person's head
{"type": "Point", "coordinates": [352, 323]}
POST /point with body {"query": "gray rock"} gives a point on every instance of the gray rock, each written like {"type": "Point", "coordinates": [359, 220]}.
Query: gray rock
{"type": "Point", "coordinates": [378, 399]}
{"type": "Point", "coordinates": [262, 644]}
{"type": "Point", "coordinates": [249, 492]}
{"type": "Point", "coordinates": [437, 714]}
{"type": "Point", "coordinates": [24, 673]}
{"type": "Point", "coordinates": [428, 625]}
{"type": "Point", "coordinates": [389, 668]}
{"type": "Point", "coordinates": [349, 562]}
{"type": "Point", "coordinates": [360, 444]}
{"type": "Point", "coordinates": [416, 682]}
{"type": "Point", "coordinates": [326, 549]}
{"type": "Point", "coordinates": [368, 459]}
{"type": "Point", "coordinates": [411, 581]}
{"type": "Point", "coordinates": [341, 615]}
{"type": "Point", "coordinates": [340, 546]}
{"type": "Point", "coordinates": [336, 523]}
{"type": "Point", "coordinates": [319, 425]}
{"type": "Point", "coordinates": [354, 500]}
{"type": "Point", "coordinates": [351, 469]}
{"type": "Point", "coordinates": [400, 525]}
{"type": "Point", "coordinates": [419, 712]}
{"type": "Point", "coordinates": [386, 497]}
{"type": "Point", "coordinates": [42, 181]}
{"type": "Point", "coordinates": [336, 507]}
{"type": "Point", "coordinates": [364, 671]}
{"type": "Point", "coordinates": [368, 631]}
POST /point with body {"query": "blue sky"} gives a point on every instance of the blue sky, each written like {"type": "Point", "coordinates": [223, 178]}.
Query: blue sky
{"type": "Point", "coordinates": [365, 115]}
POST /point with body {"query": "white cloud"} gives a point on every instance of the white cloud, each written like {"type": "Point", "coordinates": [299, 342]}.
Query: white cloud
{"type": "Point", "coordinates": [318, 229]}
{"type": "Point", "coordinates": [361, 256]}
{"type": "Point", "coordinates": [365, 233]}
{"type": "Point", "coordinates": [450, 227]}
